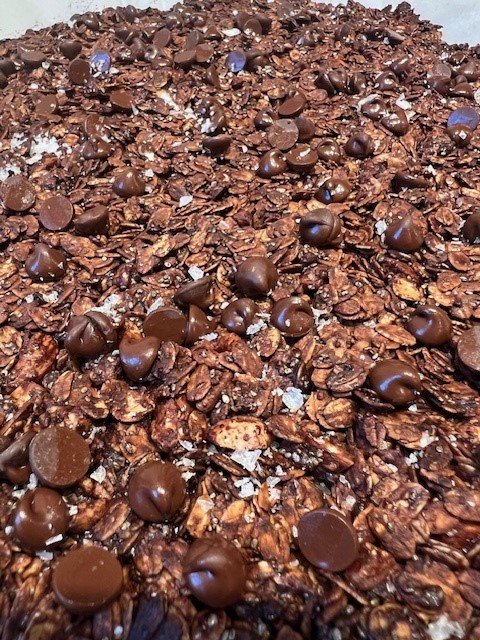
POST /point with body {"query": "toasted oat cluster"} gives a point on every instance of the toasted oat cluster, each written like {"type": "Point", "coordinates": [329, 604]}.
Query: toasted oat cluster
{"type": "Point", "coordinates": [239, 339]}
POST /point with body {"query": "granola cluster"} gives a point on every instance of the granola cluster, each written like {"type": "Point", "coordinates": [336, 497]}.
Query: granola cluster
{"type": "Point", "coordinates": [144, 157]}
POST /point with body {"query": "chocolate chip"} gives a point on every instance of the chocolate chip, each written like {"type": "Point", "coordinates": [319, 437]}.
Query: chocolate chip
{"type": "Point", "coordinates": [328, 151]}
{"type": "Point", "coordinates": [7, 67]}
{"type": "Point", "coordinates": [461, 90]}
{"type": "Point", "coordinates": [430, 325]}
{"type": "Point", "coordinates": [87, 579]}
{"type": "Point", "coordinates": [306, 128]}
{"type": "Point", "coordinates": [100, 61]}
{"type": "Point", "coordinates": [464, 115]}
{"type": "Point", "coordinates": [79, 71]}
{"type": "Point", "coordinates": [59, 457]}
{"type": "Point", "coordinates": [33, 59]}
{"type": "Point", "coordinates": [96, 148]}
{"type": "Point", "coordinates": [14, 464]}
{"type": "Point", "coordinates": [122, 101]}
{"type": "Point", "coordinates": [238, 315]}
{"type": "Point", "coordinates": [401, 66]}
{"type": "Point", "coordinates": [18, 193]}
{"type": "Point", "coordinates": [203, 53]}
{"type": "Point", "coordinates": [137, 357]}
{"type": "Point", "coordinates": [56, 213]}
{"type": "Point", "coordinates": [375, 108]}
{"type": "Point", "coordinates": [90, 20]}
{"type": "Point", "coordinates": [396, 122]}
{"type": "Point", "coordinates": [301, 158]}
{"type": "Point", "coordinates": [293, 317]}
{"type": "Point", "coordinates": [471, 228]}
{"type": "Point", "coordinates": [256, 276]}
{"type": "Point", "coordinates": [92, 222]}
{"type": "Point", "coordinates": [272, 163]}
{"type": "Point", "coordinates": [185, 59]}
{"type": "Point", "coordinates": [359, 145]}
{"type": "Point", "coordinates": [198, 325]}
{"type": "Point", "coordinates": [156, 491]}
{"type": "Point", "coordinates": [333, 190]}
{"type": "Point", "coordinates": [405, 180]}
{"type": "Point", "coordinates": [334, 81]}
{"type": "Point", "coordinates": [440, 84]}
{"type": "Point", "coordinates": [129, 183]}
{"type": "Point", "coordinates": [357, 83]}
{"type": "Point", "coordinates": [283, 134]}
{"type": "Point", "coordinates": [252, 27]}
{"type": "Point", "coordinates": [217, 145]}
{"type": "Point", "coordinates": [39, 516]}
{"type": "Point", "coordinates": [3, 80]}
{"type": "Point", "coordinates": [70, 48]}
{"type": "Point", "coordinates": [327, 539]}
{"type": "Point", "coordinates": [460, 134]}
{"type": "Point", "coordinates": [293, 106]}
{"type": "Point", "coordinates": [320, 227]}
{"type": "Point", "coordinates": [404, 235]}
{"type": "Point", "coordinates": [165, 324]}
{"type": "Point", "coordinates": [386, 81]}
{"type": "Point", "coordinates": [90, 335]}
{"type": "Point", "coordinates": [395, 381]}
{"type": "Point", "coordinates": [214, 571]}
{"type": "Point", "coordinates": [46, 106]}
{"type": "Point", "coordinates": [236, 60]}
{"type": "Point", "coordinates": [198, 292]}
{"type": "Point", "coordinates": [45, 264]}
{"type": "Point", "coordinates": [468, 349]}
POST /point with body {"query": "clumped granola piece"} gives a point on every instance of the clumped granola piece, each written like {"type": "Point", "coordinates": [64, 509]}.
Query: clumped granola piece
{"type": "Point", "coordinates": [239, 303]}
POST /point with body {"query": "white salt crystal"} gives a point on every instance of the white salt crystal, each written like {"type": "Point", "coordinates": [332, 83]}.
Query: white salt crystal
{"type": "Point", "coordinates": [402, 102]}
{"type": "Point", "coordinates": [411, 459]}
{"type": "Point", "coordinates": [413, 408]}
{"type": "Point", "coordinates": [45, 555]}
{"type": "Point", "coordinates": [8, 530]}
{"type": "Point", "coordinates": [184, 200]}
{"type": "Point", "coordinates": [118, 630]}
{"type": "Point", "coordinates": [380, 227]}
{"type": "Point", "coordinates": [231, 32]}
{"type": "Point", "coordinates": [9, 170]}
{"type": "Point", "coordinates": [246, 459]}
{"type": "Point", "coordinates": [246, 486]}
{"type": "Point", "coordinates": [158, 302]}
{"type": "Point", "coordinates": [195, 273]}
{"type": "Point", "coordinates": [210, 337]}
{"type": "Point", "coordinates": [444, 628]}
{"type": "Point", "coordinates": [110, 307]}
{"type": "Point", "coordinates": [16, 141]}
{"type": "Point", "coordinates": [73, 509]}
{"type": "Point", "coordinates": [293, 398]}
{"type": "Point", "coordinates": [256, 327]}
{"type": "Point", "coordinates": [54, 539]}
{"type": "Point", "coordinates": [277, 392]}
{"type": "Point", "coordinates": [149, 173]}
{"type": "Point", "coordinates": [426, 439]}
{"type": "Point", "coordinates": [186, 444]}
{"type": "Point", "coordinates": [186, 475]}
{"type": "Point", "coordinates": [99, 474]}
{"type": "Point", "coordinates": [42, 145]}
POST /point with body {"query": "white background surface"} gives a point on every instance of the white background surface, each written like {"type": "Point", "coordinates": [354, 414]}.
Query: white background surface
{"type": "Point", "coordinates": [460, 18]}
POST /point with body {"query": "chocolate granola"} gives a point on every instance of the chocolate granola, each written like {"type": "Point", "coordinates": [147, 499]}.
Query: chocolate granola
{"type": "Point", "coordinates": [239, 340]}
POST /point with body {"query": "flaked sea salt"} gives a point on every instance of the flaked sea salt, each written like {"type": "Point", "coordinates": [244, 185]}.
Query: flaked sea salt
{"type": "Point", "coordinates": [246, 486]}
{"type": "Point", "coordinates": [380, 227]}
{"type": "Point", "coordinates": [209, 337]}
{"type": "Point", "coordinates": [185, 200]}
{"type": "Point", "coordinates": [195, 273]}
{"type": "Point", "coordinates": [293, 398]}
{"type": "Point", "coordinates": [53, 540]}
{"type": "Point", "coordinates": [256, 327]}
{"type": "Point", "coordinates": [444, 628]}
{"type": "Point", "coordinates": [45, 555]}
{"type": "Point", "coordinates": [99, 474]}
{"type": "Point", "coordinates": [246, 459]}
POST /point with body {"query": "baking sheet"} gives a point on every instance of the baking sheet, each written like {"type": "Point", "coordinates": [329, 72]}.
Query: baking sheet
{"type": "Point", "coordinates": [460, 18]}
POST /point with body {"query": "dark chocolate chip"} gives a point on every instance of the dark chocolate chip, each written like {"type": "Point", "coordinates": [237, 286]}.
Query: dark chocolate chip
{"type": "Point", "coordinates": [137, 357]}
{"type": "Point", "coordinates": [198, 325]}
{"type": "Point", "coordinates": [401, 66]}
{"type": "Point", "coordinates": [217, 145]}
{"type": "Point", "coordinates": [79, 71]}
{"type": "Point", "coordinates": [283, 134]}
{"type": "Point", "coordinates": [264, 118]}
{"type": "Point", "coordinates": [272, 163]}
{"type": "Point", "coordinates": [129, 183]}
{"type": "Point", "coordinates": [32, 59]}
{"type": "Point", "coordinates": [214, 571]}
{"type": "Point", "coordinates": [396, 122]}
{"type": "Point", "coordinates": [306, 128]}
{"type": "Point", "coordinates": [122, 101]}
{"type": "Point", "coordinates": [38, 518]}
{"type": "Point", "coordinates": [405, 180]}
{"type": "Point", "coordinates": [87, 579]}
{"type": "Point", "coordinates": [56, 213]}
{"type": "Point", "coordinates": [46, 106]}
{"type": "Point", "coordinates": [239, 315]}
{"type": "Point", "coordinates": [185, 59]}
{"type": "Point", "coordinates": [375, 108]}
{"type": "Point", "coordinates": [395, 381]}
{"type": "Point", "coordinates": [471, 228]}
{"type": "Point", "coordinates": [386, 81]}
{"type": "Point", "coordinates": [256, 276]}
{"type": "Point", "coordinates": [357, 83]}
{"type": "Point", "coordinates": [301, 158]}
{"type": "Point", "coordinates": [293, 317]}
{"type": "Point", "coordinates": [166, 323]}
{"type": "Point", "coordinates": [198, 292]}
{"type": "Point", "coordinates": [90, 335]}
{"type": "Point", "coordinates": [327, 539]}
{"type": "Point", "coordinates": [96, 148]}
{"type": "Point", "coordinates": [293, 106]}
{"type": "Point", "coordinates": [404, 235]}
{"type": "Point", "coordinates": [333, 190]}
{"type": "Point", "coordinates": [468, 349]}
{"type": "Point", "coordinates": [14, 464]}
{"type": "Point", "coordinates": [156, 491]}
{"type": "Point", "coordinates": [460, 134]}
{"type": "Point", "coordinates": [45, 264]}
{"type": "Point", "coordinates": [18, 193]}
{"type": "Point", "coordinates": [328, 151]}
{"type": "Point", "coordinates": [92, 222]}
{"type": "Point", "coordinates": [59, 457]}
{"type": "Point", "coordinates": [320, 227]}
{"type": "Point", "coordinates": [7, 67]}
{"type": "Point", "coordinates": [359, 145]}
{"type": "Point", "coordinates": [430, 325]}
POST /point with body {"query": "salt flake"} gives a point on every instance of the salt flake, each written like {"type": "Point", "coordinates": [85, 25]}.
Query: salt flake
{"type": "Point", "coordinates": [246, 459]}
{"type": "Point", "coordinates": [195, 273]}
{"type": "Point", "coordinates": [444, 628]}
{"type": "Point", "coordinates": [184, 200]}
{"type": "Point", "coordinates": [293, 398]}
{"type": "Point", "coordinates": [99, 474]}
